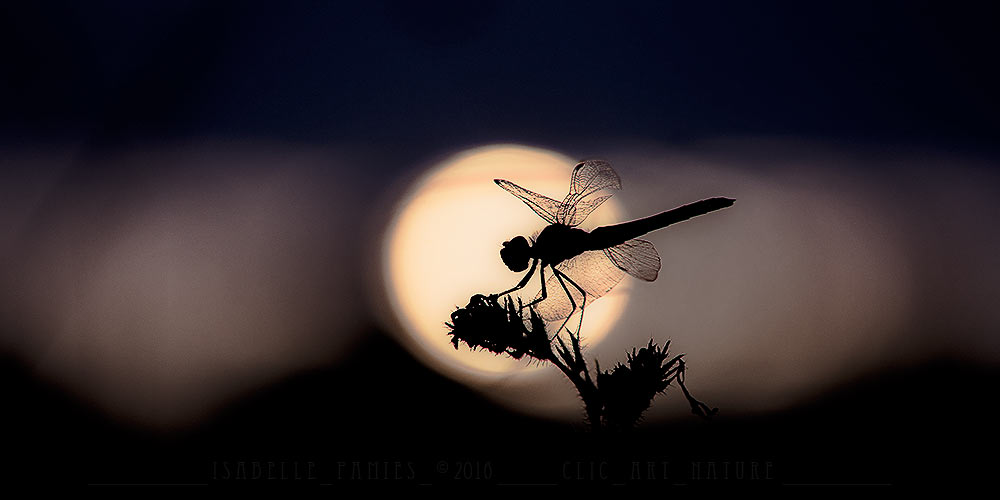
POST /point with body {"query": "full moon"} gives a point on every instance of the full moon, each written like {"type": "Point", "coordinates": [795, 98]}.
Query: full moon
{"type": "Point", "coordinates": [443, 246]}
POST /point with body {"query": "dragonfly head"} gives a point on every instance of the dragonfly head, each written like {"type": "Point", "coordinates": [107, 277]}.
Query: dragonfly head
{"type": "Point", "coordinates": [515, 254]}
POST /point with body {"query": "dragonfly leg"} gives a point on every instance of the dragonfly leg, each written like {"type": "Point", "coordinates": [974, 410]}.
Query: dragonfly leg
{"type": "Point", "coordinates": [524, 281]}
{"type": "Point", "coordinates": [575, 337]}
{"type": "Point", "coordinates": [541, 273]}
{"type": "Point", "coordinates": [572, 302]}
{"type": "Point", "coordinates": [583, 306]}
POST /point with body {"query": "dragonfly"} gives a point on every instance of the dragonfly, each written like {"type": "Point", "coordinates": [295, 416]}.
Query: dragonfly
{"type": "Point", "coordinates": [586, 265]}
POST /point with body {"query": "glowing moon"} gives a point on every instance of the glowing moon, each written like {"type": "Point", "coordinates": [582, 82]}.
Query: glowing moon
{"type": "Point", "coordinates": [443, 246]}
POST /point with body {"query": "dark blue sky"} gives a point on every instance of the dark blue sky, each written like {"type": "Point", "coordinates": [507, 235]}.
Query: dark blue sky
{"type": "Point", "coordinates": [442, 74]}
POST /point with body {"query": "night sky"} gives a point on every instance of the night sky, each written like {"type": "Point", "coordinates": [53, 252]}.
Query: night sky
{"type": "Point", "coordinates": [438, 74]}
{"type": "Point", "coordinates": [394, 86]}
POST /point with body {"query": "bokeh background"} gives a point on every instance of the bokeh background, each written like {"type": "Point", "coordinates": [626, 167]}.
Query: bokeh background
{"type": "Point", "coordinates": [194, 198]}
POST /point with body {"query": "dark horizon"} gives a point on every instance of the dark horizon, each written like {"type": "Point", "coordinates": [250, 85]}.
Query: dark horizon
{"type": "Point", "coordinates": [848, 435]}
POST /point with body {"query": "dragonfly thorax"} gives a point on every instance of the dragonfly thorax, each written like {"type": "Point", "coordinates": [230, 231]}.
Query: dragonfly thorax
{"type": "Point", "coordinates": [558, 242]}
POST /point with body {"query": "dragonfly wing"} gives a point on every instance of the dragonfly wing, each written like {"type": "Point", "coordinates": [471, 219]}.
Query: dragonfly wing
{"type": "Point", "coordinates": [589, 178]}
{"type": "Point", "coordinates": [636, 257]}
{"type": "Point", "coordinates": [545, 207]}
{"type": "Point", "coordinates": [592, 176]}
{"type": "Point", "coordinates": [592, 271]}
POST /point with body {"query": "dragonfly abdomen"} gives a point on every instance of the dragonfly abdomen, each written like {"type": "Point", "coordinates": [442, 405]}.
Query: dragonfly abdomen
{"type": "Point", "coordinates": [609, 236]}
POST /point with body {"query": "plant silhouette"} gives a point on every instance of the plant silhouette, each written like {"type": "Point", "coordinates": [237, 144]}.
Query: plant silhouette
{"type": "Point", "coordinates": [613, 400]}
{"type": "Point", "coordinates": [585, 266]}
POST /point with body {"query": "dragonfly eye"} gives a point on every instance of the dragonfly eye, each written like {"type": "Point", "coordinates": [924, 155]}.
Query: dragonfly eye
{"type": "Point", "coordinates": [515, 254]}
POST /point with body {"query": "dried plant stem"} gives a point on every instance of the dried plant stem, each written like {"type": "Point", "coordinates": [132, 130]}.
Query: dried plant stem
{"type": "Point", "coordinates": [613, 399]}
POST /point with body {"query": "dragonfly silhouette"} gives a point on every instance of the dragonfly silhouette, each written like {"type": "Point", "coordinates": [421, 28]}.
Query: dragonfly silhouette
{"type": "Point", "coordinates": [591, 263]}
